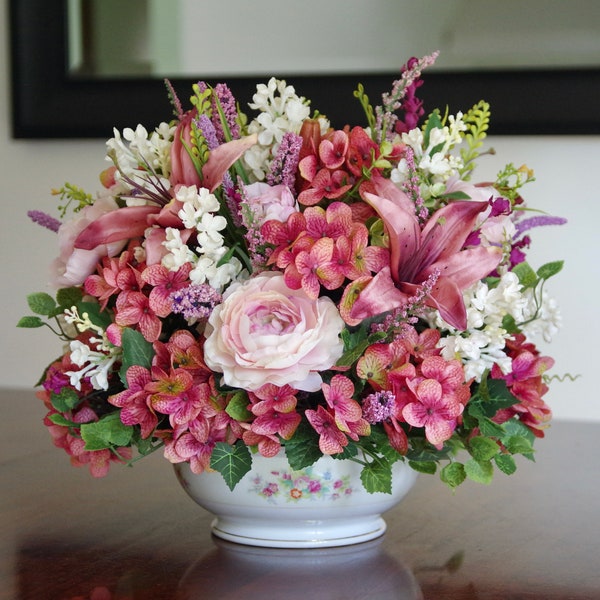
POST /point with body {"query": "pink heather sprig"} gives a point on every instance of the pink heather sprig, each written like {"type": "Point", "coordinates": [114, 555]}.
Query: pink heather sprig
{"type": "Point", "coordinates": [400, 317]}
{"type": "Point", "coordinates": [228, 106]}
{"type": "Point", "coordinates": [403, 87]}
{"type": "Point", "coordinates": [177, 107]}
{"type": "Point", "coordinates": [195, 301]}
{"type": "Point", "coordinates": [412, 187]}
{"type": "Point", "coordinates": [44, 219]}
{"type": "Point", "coordinates": [255, 242]}
{"type": "Point", "coordinates": [284, 164]}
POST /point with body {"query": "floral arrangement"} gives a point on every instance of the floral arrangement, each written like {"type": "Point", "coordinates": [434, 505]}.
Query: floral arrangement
{"type": "Point", "coordinates": [269, 283]}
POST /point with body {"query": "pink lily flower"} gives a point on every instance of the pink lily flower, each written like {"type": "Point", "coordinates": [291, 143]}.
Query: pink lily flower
{"type": "Point", "coordinates": [416, 255]}
{"type": "Point", "coordinates": [131, 221]}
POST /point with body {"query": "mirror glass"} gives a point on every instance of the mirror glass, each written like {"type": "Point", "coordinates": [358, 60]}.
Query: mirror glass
{"type": "Point", "coordinates": [231, 38]}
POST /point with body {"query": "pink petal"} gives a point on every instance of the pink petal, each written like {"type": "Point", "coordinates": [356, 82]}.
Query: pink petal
{"type": "Point", "coordinates": [221, 158]}
{"type": "Point", "coordinates": [379, 296]}
{"type": "Point", "coordinates": [403, 230]}
{"type": "Point", "coordinates": [466, 267]}
{"type": "Point", "coordinates": [121, 224]}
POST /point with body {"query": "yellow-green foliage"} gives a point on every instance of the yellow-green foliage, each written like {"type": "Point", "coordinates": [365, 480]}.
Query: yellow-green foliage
{"type": "Point", "coordinates": [477, 121]}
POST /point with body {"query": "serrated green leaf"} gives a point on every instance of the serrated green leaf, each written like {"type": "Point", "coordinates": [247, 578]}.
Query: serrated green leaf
{"type": "Point", "coordinates": [68, 297]}
{"type": "Point", "coordinates": [423, 466]}
{"type": "Point", "coordinates": [488, 428]}
{"type": "Point", "coordinates": [505, 463]}
{"type": "Point", "coordinates": [516, 444]}
{"type": "Point", "coordinates": [136, 351]}
{"type": "Point", "coordinates": [109, 431]}
{"type": "Point", "coordinates": [41, 303]}
{"type": "Point", "coordinates": [349, 451]}
{"type": "Point", "coordinates": [376, 476]}
{"type": "Point", "coordinates": [237, 408]}
{"type": "Point", "coordinates": [527, 276]}
{"type": "Point", "coordinates": [303, 449]}
{"type": "Point", "coordinates": [30, 322]}
{"type": "Point", "coordinates": [453, 474]}
{"type": "Point", "coordinates": [480, 472]}
{"type": "Point", "coordinates": [66, 400]}
{"type": "Point", "coordinates": [233, 462]}
{"type": "Point", "coordinates": [550, 269]}
{"type": "Point", "coordinates": [62, 421]}
{"type": "Point", "coordinates": [482, 449]}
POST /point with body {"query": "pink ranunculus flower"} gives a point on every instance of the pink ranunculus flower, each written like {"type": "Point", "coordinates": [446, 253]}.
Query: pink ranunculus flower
{"type": "Point", "coordinates": [264, 332]}
{"type": "Point", "coordinates": [73, 265]}
{"type": "Point", "coordinates": [270, 202]}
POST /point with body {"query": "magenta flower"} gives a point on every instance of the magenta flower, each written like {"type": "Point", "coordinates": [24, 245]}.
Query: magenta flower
{"type": "Point", "coordinates": [331, 439]}
{"type": "Point", "coordinates": [134, 309]}
{"type": "Point", "coordinates": [338, 395]}
{"type": "Point", "coordinates": [433, 411]}
{"type": "Point", "coordinates": [164, 283]}
{"type": "Point", "coordinates": [133, 401]}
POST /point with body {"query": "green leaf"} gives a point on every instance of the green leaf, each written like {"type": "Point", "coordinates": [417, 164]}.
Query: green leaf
{"type": "Point", "coordinates": [233, 462]}
{"type": "Point", "coordinates": [68, 297]}
{"type": "Point", "coordinates": [355, 345]}
{"type": "Point", "coordinates": [423, 466]}
{"type": "Point", "coordinates": [238, 407]}
{"type": "Point", "coordinates": [516, 444]}
{"type": "Point", "coordinates": [506, 463]}
{"type": "Point", "coordinates": [433, 122]}
{"type": "Point", "coordinates": [303, 449]}
{"type": "Point", "coordinates": [109, 431]}
{"type": "Point", "coordinates": [527, 276]}
{"type": "Point", "coordinates": [453, 474]}
{"type": "Point", "coordinates": [349, 451]}
{"type": "Point", "coordinates": [136, 351]}
{"type": "Point", "coordinates": [509, 323]}
{"type": "Point", "coordinates": [483, 449]}
{"type": "Point", "coordinates": [480, 472]}
{"type": "Point", "coordinates": [30, 322]}
{"type": "Point", "coordinates": [98, 317]}
{"type": "Point", "coordinates": [549, 269]}
{"type": "Point", "coordinates": [515, 430]}
{"type": "Point", "coordinates": [62, 421]}
{"type": "Point", "coordinates": [488, 428]}
{"type": "Point", "coordinates": [41, 303]}
{"type": "Point", "coordinates": [66, 400]}
{"type": "Point", "coordinates": [376, 476]}
{"type": "Point", "coordinates": [455, 196]}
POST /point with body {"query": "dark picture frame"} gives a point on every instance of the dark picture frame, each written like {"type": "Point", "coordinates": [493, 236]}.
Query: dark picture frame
{"type": "Point", "coordinates": [48, 103]}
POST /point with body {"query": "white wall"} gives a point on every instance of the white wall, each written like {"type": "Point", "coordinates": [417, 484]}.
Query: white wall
{"type": "Point", "coordinates": [567, 170]}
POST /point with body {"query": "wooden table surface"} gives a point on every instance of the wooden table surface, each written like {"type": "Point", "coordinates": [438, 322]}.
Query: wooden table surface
{"type": "Point", "coordinates": [136, 535]}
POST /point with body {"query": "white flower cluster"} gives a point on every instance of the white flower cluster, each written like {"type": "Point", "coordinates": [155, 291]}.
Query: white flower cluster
{"type": "Point", "coordinates": [135, 148]}
{"type": "Point", "coordinates": [483, 343]}
{"type": "Point", "coordinates": [435, 161]}
{"type": "Point", "coordinates": [281, 111]}
{"type": "Point", "coordinates": [197, 213]}
{"type": "Point", "coordinates": [95, 359]}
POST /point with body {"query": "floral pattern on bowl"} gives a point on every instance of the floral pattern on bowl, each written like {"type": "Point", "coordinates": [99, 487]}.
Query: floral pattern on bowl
{"type": "Point", "coordinates": [296, 486]}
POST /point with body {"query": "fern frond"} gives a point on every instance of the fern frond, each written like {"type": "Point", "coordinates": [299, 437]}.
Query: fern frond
{"type": "Point", "coordinates": [477, 121]}
{"type": "Point", "coordinates": [362, 97]}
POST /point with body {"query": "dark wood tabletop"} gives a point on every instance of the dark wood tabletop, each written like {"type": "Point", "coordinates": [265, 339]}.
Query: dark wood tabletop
{"type": "Point", "coordinates": [136, 535]}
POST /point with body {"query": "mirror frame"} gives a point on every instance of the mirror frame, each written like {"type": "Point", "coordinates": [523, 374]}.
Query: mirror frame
{"type": "Point", "coordinates": [47, 103]}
